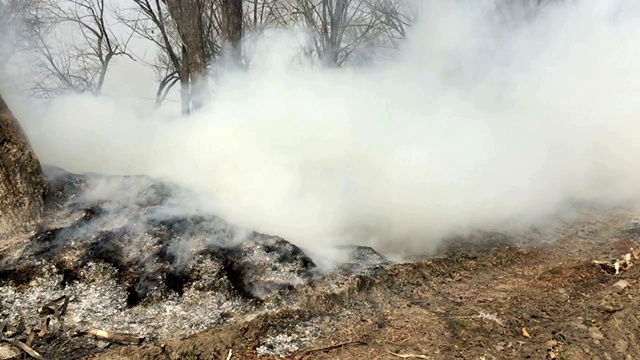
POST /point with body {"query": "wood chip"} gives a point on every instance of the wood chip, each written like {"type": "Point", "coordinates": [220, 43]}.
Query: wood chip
{"type": "Point", "coordinates": [621, 285]}
{"type": "Point", "coordinates": [525, 333]}
{"type": "Point", "coordinates": [44, 327]}
{"type": "Point", "coordinates": [116, 336]}
{"type": "Point", "coordinates": [31, 337]}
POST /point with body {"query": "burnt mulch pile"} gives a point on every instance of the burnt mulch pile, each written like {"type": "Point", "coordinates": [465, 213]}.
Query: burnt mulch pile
{"type": "Point", "coordinates": [121, 270]}
{"type": "Point", "coordinates": [563, 300]}
{"type": "Point", "coordinates": [134, 265]}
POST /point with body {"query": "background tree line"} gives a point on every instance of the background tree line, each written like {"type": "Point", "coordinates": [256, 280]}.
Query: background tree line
{"type": "Point", "coordinates": [76, 41]}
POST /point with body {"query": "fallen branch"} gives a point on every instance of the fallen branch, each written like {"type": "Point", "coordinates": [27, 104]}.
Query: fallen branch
{"type": "Point", "coordinates": [116, 336]}
{"type": "Point", "coordinates": [22, 346]}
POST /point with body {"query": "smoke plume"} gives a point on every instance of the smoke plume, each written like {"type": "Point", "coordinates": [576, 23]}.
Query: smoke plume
{"type": "Point", "coordinates": [476, 123]}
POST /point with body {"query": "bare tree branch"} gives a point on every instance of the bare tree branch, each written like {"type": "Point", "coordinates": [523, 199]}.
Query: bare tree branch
{"type": "Point", "coordinates": [81, 63]}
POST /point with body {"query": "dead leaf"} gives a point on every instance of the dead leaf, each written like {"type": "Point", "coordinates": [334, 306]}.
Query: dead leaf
{"type": "Point", "coordinates": [525, 333]}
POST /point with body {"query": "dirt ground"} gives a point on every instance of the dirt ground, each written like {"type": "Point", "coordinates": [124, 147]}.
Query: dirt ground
{"type": "Point", "coordinates": [537, 302]}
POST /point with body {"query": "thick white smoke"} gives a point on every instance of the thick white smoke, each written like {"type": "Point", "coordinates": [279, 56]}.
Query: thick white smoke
{"type": "Point", "coordinates": [474, 125]}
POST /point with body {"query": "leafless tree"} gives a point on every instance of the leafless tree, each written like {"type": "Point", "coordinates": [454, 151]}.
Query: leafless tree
{"type": "Point", "coordinates": [187, 15]}
{"type": "Point", "coordinates": [14, 16]}
{"type": "Point", "coordinates": [513, 12]}
{"type": "Point", "coordinates": [185, 33]}
{"type": "Point", "coordinates": [395, 17]}
{"type": "Point", "coordinates": [189, 35]}
{"type": "Point", "coordinates": [262, 14]}
{"type": "Point", "coordinates": [150, 20]}
{"type": "Point", "coordinates": [232, 19]}
{"type": "Point", "coordinates": [341, 27]}
{"type": "Point", "coordinates": [77, 45]}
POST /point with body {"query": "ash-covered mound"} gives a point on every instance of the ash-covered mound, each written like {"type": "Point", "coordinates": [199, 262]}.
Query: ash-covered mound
{"type": "Point", "coordinates": [131, 258]}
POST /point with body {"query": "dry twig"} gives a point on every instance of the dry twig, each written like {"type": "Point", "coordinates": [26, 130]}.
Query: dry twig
{"type": "Point", "coordinates": [331, 347]}
{"type": "Point", "coordinates": [409, 356]}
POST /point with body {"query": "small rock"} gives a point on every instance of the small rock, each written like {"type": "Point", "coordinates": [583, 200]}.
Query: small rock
{"type": "Point", "coordinates": [621, 285]}
{"type": "Point", "coordinates": [595, 333]}
{"type": "Point", "coordinates": [622, 346]}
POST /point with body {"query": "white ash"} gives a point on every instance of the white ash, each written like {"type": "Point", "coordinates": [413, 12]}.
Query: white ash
{"type": "Point", "coordinates": [141, 264]}
{"type": "Point", "coordinates": [288, 342]}
{"type": "Point", "coordinates": [101, 304]}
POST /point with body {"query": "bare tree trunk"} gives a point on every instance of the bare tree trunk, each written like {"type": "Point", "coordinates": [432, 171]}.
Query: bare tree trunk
{"type": "Point", "coordinates": [336, 11]}
{"type": "Point", "coordinates": [196, 56]}
{"type": "Point", "coordinates": [188, 17]}
{"type": "Point", "coordinates": [232, 28]}
{"type": "Point", "coordinates": [22, 185]}
{"type": "Point", "coordinates": [185, 89]}
{"type": "Point", "coordinates": [185, 96]}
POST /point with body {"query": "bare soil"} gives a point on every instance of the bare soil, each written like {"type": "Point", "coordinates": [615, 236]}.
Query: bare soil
{"type": "Point", "coordinates": [528, 302]}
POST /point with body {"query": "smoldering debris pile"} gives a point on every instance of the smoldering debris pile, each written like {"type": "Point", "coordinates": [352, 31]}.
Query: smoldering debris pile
{"type": "Point", "coordinates": [129, 259]}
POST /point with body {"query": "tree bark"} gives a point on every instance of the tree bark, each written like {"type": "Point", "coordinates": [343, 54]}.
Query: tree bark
{"type": "Point", "coordinates": [232, 29]}
{"type": "Point", "coordinates": [188, 17]}
{"type": "Point", "coordinates": [185, 88]}
{"type": "Point", "coordinates": [22, 184]}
